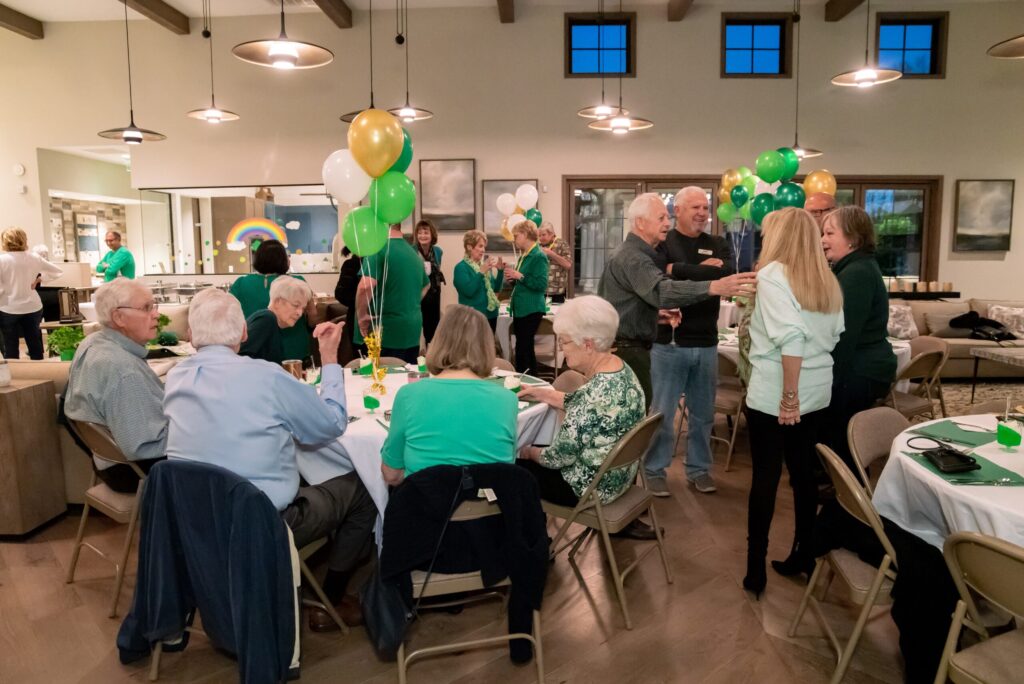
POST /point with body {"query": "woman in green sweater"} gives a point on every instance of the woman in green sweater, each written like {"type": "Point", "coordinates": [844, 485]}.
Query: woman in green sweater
{"type": "Point", "coordinates": [266, 329]}
{"type": "Point", "coordinates": [531, 285]}
{"type": "Point", "coordinates": [477, 282]}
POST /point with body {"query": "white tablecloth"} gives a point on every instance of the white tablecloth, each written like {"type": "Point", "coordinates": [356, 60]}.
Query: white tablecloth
{"type": "Point", "coordinates": [926, 505]}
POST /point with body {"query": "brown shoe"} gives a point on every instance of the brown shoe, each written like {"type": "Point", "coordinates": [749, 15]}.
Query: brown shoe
{"type": "Point", "coordinates": [348, 610]}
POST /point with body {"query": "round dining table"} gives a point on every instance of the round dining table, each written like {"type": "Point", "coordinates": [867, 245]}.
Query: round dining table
{"type": "Point", "coordinates": [927, 505]}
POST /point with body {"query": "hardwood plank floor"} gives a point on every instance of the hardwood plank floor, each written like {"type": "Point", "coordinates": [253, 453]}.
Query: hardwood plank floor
{"type": "Point", "coordinates": [702, 628]}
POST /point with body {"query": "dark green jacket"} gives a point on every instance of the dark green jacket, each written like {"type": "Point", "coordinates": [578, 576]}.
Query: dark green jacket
{"type": "Point", "coordinates": [473, 290]}
{"type": "Point", "coordinates": [529, 292]}
{"type": "Point", "coordinates": [863, 349]}
{"type": "Point", "coordinates": [264, 340]}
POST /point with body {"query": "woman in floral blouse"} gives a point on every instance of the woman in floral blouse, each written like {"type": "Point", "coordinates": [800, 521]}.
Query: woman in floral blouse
{"type": "Point", "coordinates": [597, 415]}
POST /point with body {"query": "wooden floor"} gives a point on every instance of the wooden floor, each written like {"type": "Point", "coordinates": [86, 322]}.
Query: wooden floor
{"type": "Point", "coordinates": [702, 628]}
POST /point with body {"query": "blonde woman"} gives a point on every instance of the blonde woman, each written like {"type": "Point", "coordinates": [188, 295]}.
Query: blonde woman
{"type": "Point", "coordinates": [797, 320]}
{"type": "Point", "coordinates": [478, 281]}
{"type": "Point", "coordinates": [21, 309]}
{"type": "Point", "coordinates": [527, 305]}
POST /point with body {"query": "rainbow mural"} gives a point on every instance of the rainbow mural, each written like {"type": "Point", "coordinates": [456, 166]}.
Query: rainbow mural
{"type": "Point", "coordinates": [250, 229]}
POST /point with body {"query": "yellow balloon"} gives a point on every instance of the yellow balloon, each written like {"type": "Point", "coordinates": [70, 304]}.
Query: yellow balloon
{"type": "Point", "coordinates": [820, 181]}
{"type": "Point", "coordinates": [730, 179]}
{"type": "Point", "coordinates": [723, 196]}
{"type": "Point", "coordinates": [375, 140]}
{"type": "Point", "coordinates": [505, 232]}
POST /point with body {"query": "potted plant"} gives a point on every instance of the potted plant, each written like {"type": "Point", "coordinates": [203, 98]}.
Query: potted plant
{"type": "Point", "coordinates": [163, 339]}
{"type": "Point", "coordinates": [64, 341]}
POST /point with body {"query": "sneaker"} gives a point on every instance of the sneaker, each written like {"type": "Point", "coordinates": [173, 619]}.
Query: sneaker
{"type": "Point", "coordinates": [658, 486]}
{"type": "Point", "coordinates": [704, 484]}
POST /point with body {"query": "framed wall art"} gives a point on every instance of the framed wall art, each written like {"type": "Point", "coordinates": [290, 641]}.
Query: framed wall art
{"type": "Point", "coordinates": [447, 191]}
{"type": "Point", "coordinates": [983, 215]}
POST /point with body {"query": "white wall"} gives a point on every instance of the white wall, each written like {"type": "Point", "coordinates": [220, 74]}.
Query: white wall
{"type": "Point", "coordinates": [500, 97]}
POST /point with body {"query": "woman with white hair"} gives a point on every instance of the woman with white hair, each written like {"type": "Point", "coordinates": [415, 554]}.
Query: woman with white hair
{"type": "Point", "coordinates": [288, 300]}
{"type": "Point", "coordinates": [597, 415]}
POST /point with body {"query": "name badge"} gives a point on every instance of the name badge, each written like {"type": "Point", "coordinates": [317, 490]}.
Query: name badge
{"type": "Point", "coordinates": [705, 252]}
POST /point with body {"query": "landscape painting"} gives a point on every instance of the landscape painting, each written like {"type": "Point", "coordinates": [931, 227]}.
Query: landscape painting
{"type": "Point", "coordinates": [448, 193]}
{"type": "Point", "coordinates": [984, 213]}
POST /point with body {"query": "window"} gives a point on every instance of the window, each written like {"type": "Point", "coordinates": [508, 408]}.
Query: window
{"type": "Point", "coordinates": [597, 45]}
{"type": "Point", "coordinates": [756, 45]}
{"type": "Point", "coordinates": [912, 42]}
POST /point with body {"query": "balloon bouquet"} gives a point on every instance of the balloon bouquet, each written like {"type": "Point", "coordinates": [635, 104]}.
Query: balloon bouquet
{"type": "Point", "coordinates": [517, 208]}
{"type": "Point", "coordinates": [379, 152]}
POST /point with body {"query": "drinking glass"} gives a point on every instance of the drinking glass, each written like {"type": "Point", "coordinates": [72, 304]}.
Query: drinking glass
{"type": "Point", "coordinates": [1008, 434]}
{"type": "Point", "coordinates": [371, 400]}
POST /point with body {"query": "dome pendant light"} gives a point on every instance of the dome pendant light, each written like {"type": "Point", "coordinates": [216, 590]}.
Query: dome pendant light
{"type": "Point", "coordinates": [869, 75]}
{"type": "Point", "coordinates": [283, 52]}
{"type": "Point", "coordinates": [619, 122]}
{"type": "Point", "coordinates": [1008, 49]}
{"type": "Point", "coordinates": [131, 134]}
{"type": "Point", "coordinates": [211, 114]}
{"type": "Point", "coordinates": [349, 117]}
{"type": "Point", "coordinates": [408, 113]}
{"type": "Point", "coordinates": [801, 152]}
{"type": "Point", "coordinates": [603, 110]}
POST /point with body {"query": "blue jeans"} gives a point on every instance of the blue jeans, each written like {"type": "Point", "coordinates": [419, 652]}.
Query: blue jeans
{"type": "Point", "coordinates": [692, 371]}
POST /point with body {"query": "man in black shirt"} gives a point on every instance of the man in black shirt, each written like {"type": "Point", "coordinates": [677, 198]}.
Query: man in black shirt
{"type": "Point", "coordinates": [684, 358]}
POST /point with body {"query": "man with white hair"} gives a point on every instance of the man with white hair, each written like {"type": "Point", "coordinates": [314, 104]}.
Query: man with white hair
{"type": "Point", "coordinates": [639, 289]}
{"type": "Point", "coordinates": [560, 260]}
{"type": "Point", "coordinates": [684, 359]}
{"type": "Point", "coordinates": [110, 382]}
{"type": "Point", "coordinates": [248, 415]}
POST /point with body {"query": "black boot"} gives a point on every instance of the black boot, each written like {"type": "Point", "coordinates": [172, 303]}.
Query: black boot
{"type": "Point", "coordinates": [799, 562]}
{"type": "Point", "coordinates": [757, 576]}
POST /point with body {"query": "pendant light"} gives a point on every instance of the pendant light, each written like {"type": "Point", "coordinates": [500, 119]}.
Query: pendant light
{"type": "Point", "coordinates": [801, 152]}
{"type": "Point", "coordinates": [619, 122]}
{"type": "Point", "coordinates": [603, 110]}
{"type": "Point", "coordinates": [283, 52]}
{"type": "Point", "coordinates": [407, 113]}
{"type": "Point", "coordinates": [1008, 49]}
{"type": "Point", "coordinates": [131, 134]}
{"type": "Point", "coordinates": [351, 116]}
{"type": "Point", "coordinates": [869, 75]}
{"type": "Point", "coordinates": [211, 114]}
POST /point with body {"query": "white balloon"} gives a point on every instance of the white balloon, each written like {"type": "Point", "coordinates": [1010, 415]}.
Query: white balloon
{"type": "Point", "coordinates": [515, 220]}
{"type": "Point", "coordinates": [506, 204]}
{"type": "Point", "coordinates": [344, 178]}
{"type": "Point", "coordinates": [762, 187]}
{"type": "Point", "coordinates": [526, 196]}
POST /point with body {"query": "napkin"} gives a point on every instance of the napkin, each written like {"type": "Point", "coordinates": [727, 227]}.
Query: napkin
{"type": "Point", "coordinates": [947, 430]}
{"type": "Point", "coordinates": [988, 473]}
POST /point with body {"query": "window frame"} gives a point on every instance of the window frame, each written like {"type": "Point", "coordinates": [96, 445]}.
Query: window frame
{"type": "Point", "coordinates": [786, 36]}
{"type": "Point", "coordinates": [940, 36]}
{"type": "Point", "coordinates": [571, 18]}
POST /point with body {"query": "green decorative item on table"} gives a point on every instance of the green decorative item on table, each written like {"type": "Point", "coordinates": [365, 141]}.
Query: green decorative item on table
{"type": "Point", "coordinates": [63, 342]}
{"type": "Point", "coordinates": [163, 339]}
{"type": "Point", "coordinates": [1008, 434]}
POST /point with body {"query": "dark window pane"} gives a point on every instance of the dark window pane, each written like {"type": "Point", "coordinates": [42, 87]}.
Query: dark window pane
{"type": "Point", "coordinates": [919, 37]}
{"type": "Point", "coordinates": [739, 36]}
{"type": "Point", "coordinates": [584, 61]}
{"type": "Point", "coordinates": [890, 59]}
{"type": "Point", "coordinates": [613, 36]}
{"type": "Point", "coordinates": [738, 62]}
{"type": "Point", "coordinates": [766, 61]}
{"type": "Point", "coordinates": [890, 36]}
{"type": "Point", "coordinates": [584, 36]}
{"type": "Point", "coordinates": [918, 62]}
{"type": "Point", "coordinates": [767, 37]}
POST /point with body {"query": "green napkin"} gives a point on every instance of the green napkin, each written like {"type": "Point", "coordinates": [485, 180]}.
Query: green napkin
{"type": "Point", "coordinates": [947, 430]}
{"type": "Point", "coordinates": [390, 369]}
{"type": "Point", "coordinates": [989, 472]}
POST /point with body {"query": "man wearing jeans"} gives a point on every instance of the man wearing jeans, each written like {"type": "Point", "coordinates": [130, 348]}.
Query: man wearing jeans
{"type": "Point", "coordinates": [684, 358]}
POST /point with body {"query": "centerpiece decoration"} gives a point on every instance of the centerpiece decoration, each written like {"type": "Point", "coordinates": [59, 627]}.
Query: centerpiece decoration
{"type": "Point", "coordinates": [517, 208]}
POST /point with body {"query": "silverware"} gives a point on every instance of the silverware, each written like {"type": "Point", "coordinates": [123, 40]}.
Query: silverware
{"type": "Point", "coordinates": [987, 483]}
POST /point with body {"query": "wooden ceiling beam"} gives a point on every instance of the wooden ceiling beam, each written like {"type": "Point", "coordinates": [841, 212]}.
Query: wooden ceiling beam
{"type": "Point", "coordinates": [677, 9]}
{"type": "Point", "coordinates": [507, 11]}
{"type": "Point", "coordinates": [21, 24]}
{"type": "Point", "coordinates": [162, 13]}
{"type": "Point", "coordinates": [837, 9]}
{"type": "Point", "coordinates": [337, 11]}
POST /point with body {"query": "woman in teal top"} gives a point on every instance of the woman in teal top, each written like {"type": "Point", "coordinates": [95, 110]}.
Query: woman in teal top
{"type": "Point", "coordinates": [478, 283]}
{"type": "Point", "coordinates": [456, 417]}
{"type": "Point", "coordinates": [527, 305]}
{"type": "Point", "coordinates": [253, 292]}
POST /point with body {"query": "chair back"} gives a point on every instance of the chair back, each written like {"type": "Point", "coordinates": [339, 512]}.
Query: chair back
{"type": "Point", "coordinates": [870, 435]}
{"type": "Point", "coordinates": [927, 343]}
{"type": "Point", "coordinates": [384, 361]}
{"type": "Point", "coordinates": [474, 509]}
{"type": "Point", "coordinates": [631, 448]}
{"type": "Point", "coordinates": [546, 327]}
{"type": "Point", "coordinates": [925, 366]}
{"type": "Point", "coordinates": [569, 381]}
{"type": "Point", "coordinates": [502, 364]}
{"type": "Point", "coordinates": [853, 498]}
{"type": "Point", "coordinates": [991, 567]}
{"type": "Point", "coordinates": [99, 440]}
{"type": "Point", "coordinates": [727, 368]}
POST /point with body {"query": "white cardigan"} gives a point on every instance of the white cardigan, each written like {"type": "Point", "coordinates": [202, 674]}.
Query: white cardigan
{"type": "Point", "coordinates": [18, 270]}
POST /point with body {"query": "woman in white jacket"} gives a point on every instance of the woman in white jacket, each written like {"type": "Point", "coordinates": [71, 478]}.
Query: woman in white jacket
{"type": "Point", "coordinates": [21, 310]}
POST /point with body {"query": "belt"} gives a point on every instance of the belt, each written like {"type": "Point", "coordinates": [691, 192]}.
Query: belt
{"type": "Point", "coordinates": [628, 343]}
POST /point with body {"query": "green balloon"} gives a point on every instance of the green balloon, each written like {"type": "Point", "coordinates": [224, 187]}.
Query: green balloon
{"type": "Point", "coordinates": [739, 195]}
{"type": "Point", "coordinates": [392, 197]}
{"type": "Point", "coordinates": [405, 158]}
{"type": "Point", "coordinates": [744, 172]}
{"type": "Point", "coordinates": [363, 232]}
{"type": "Point", "coordinates": [770, 165]}
{"type": "Point", "coordinates": [535, 215]}
{"type": "Point", "coordinates": [745, 212]}
{"type": "Point", "coordinates": [791, 163]}
{"type": "Point", "coordinates": [761, 206]}
{"type": "Point", "coordinates": [750, 183]}
{"type": "Point", "coordinates": [726, 212]}
{"type": "Point", "coordinates": [789, 195]}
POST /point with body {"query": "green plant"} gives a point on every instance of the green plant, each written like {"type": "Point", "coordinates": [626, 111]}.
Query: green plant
{"type": "Point", "coordinates": [161, 322]}
{"type": "Point", "coordinates": [64, 339]}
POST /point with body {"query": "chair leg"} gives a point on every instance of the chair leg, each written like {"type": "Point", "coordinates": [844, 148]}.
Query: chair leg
{"type": "Point", "coordinates": [154, 666]}
{"type": "Point", "coordinates": [679, 433]}
{"type": "Point", "coordinates": [951, 639]}
{"type": "Point", "coordinates": [620, 589]}
{"type": "Point", "coordinates": [78, 544]}
{"type": "Point", "coordinates": [538, 649]}
{"type": "Point", "coordinates": [401, 663]}
{"type": "Point", "coordinates": [660, 541]}
{"type": "Point", "coordinates": [123, 560]}
{"type": "Point", "coordinates": [318, 590]}
{"type": "Point", "coordinates": [807, 596]}
{"type": "Point", "coordinates": [942, 400]}
{"type": "Point", "coordinates": [858, 629]}
{"type": "Point", "coordinates": [732, 439]}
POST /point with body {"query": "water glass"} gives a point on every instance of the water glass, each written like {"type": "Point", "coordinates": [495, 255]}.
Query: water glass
{"type": "Point", "coordinates": [1008, 434]}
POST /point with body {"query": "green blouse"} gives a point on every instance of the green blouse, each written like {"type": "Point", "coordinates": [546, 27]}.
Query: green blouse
{"type": "Point", "coordinates": [473, 290]}
{"type": "Point", "coordinates": [529, 291]}
{"type": "Point", "coordinates": [597, 415]}
{"type": "Point", "coordinates": [253, 292]}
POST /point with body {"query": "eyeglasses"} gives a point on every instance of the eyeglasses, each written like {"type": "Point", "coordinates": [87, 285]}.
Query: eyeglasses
{"type": "Point", "coordinates": [145, 308]}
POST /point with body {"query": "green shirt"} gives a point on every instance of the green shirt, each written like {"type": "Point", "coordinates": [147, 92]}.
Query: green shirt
{"type": "Point", "coordinates": [529, 291]}
{"type": "Point", "coordinates": [863, 349]}
{"type": "Point", "coordinates": [451, 422]}
{"type": "Point", "coordinates": [253, 293]}
{"type": "Point", "coordinates": [401, 277]}
{"type": "Point", "coordinates": [597, 415]}
{"type": "Point", "coordinates": [114, 264]}
{"type": "Point", "coordinates": [472, 289]}
{"type": "Point", "coordinates": [264, 340]}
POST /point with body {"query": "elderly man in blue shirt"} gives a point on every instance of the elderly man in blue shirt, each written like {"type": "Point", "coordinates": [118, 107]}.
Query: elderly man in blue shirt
{"type": "Point", "coordinates": [249, 416]}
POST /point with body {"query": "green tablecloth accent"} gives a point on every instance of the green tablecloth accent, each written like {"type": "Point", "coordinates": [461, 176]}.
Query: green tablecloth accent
{"type": "Point", "coordinates": [391, 369]}
{"type": "Point", "coordinates": [948, 430]}
{"type": "Point", "coordinates": [525, 380]}
{"type": "Point", "coordinates": [989, 472]}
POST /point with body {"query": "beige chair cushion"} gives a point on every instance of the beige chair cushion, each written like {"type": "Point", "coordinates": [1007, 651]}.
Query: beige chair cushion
{"type": "Point", "coordinates": [993, 661]}
{"type": "Point", "coordinates": [618, 513]}
{"type": "Point", "coordinates": [441, 584]}
{"type": "Point", "coordinates": [858, 576]}
{"type": "Point", "coordinates": [114, 504]}
{"type": "Point", "coordinates": [911, 405]}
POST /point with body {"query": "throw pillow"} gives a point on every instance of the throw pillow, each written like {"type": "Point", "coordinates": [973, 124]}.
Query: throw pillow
{"type": "Point", "coordinates": [901, 322]}
{"type": "Point", "coordinates": [938, 326]}
{"type": "Point", "coordinates": [1011, 317]}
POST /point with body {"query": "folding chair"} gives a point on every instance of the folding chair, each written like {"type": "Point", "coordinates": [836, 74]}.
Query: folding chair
{"type": "Point", "coordinates": [994, 569]}
{"type": "Point", "coordinates": [569, 381]}
{"type": "Point", "coordinates": [384, 361]}
{"type": "Point", "coordinates": [611, 518]}
{"type": "Point", "coordinates": [502, 364]}
{"type": "Point", "coordinates": [925, 367]}
{"type": "Point", "coordinates": [121, 508]}
{"type": "Point", "coordinates": [730, 400]}
{"type": "Point", "coordinates": [927, 343]}
{"type": "Point", "coordinates": [866, 584]}
{"type": "Point", "coordinates": [870, 435]}
{"type": "Point", "coordinates": [441, 584]}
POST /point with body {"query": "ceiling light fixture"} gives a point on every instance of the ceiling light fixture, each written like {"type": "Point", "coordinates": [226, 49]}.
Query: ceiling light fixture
{"type": "Point", "coordinates": [801, 152]}
{"type": "Point", "coordinates": [868, 75]}
{"type": "Point", "coordinates": [283, 52]}
{"type": "Point", "coordinates": [619, 122]}
{"type": "Point", "coordinates": [351, 116]}
{"type": "Point", "coordinates": [211, 114]}
{"type": "Point", "coordinates": [603, 110]}
{"type": "Point", "coordinates": [1008, 49]}
{"type": "Point", "coordinates": [407, 113]}
{"type": "Point", "coordinates": [131, 134]}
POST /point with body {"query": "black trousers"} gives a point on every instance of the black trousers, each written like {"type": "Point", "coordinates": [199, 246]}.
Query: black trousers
{"type": "Point", "coordinates": [552, 485]}
{"type": "Point", "coordinates": [122, 478]}
{"type": "Point", "coordinates": [770, 445]}
{"type": "Point", "coordinates": [408, 355]}
{"type": "Point", "coordinates": [525, 328]}
{"type": "Point", "coordinates": [430, 306]}
{"type": "Point", "coordinates": [340, 508]}
{"type": "Point", "coordinates": [638, 358]}
{"type": "Point", "coordinates": [558, 298]}
{"type": "Point", "coordinates": [16, 326]}
{"type": "Point", "coordinates": [849, 396]}
{"type": "Point", "coordinates": [493, 322]}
